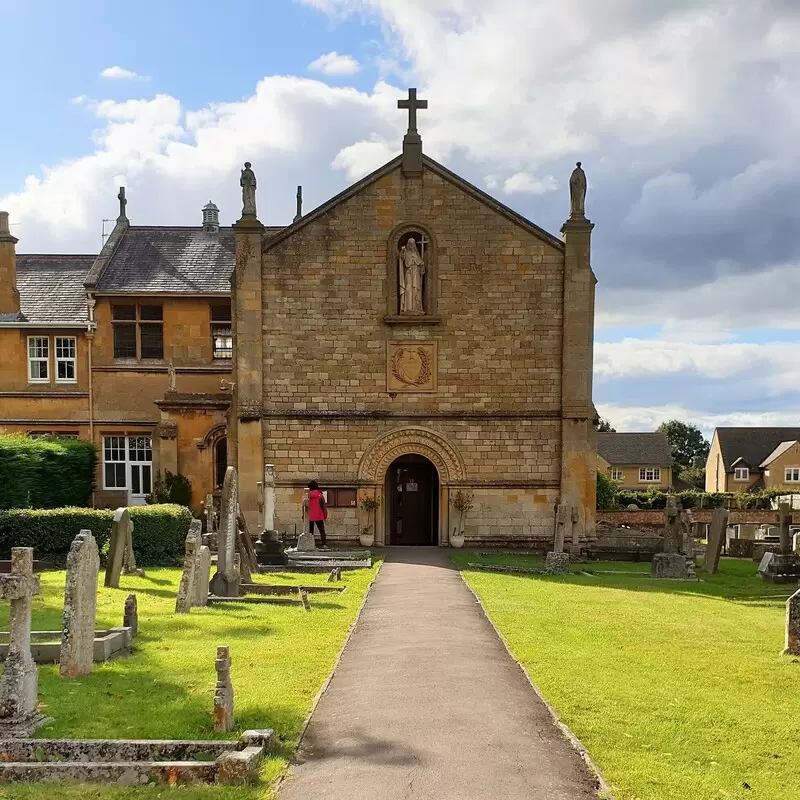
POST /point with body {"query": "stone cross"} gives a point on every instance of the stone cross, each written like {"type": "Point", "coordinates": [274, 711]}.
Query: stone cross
{"type": "Point", "coordinates": [223, 693]}
{"type": "Point", "coordinates": [130, 618]}
{"type": "Point", "coordinates": [785, 521]}
{"type": "Point", "coordinates": [673, 536]}
{"type": "Point", "coordinates": [186, 590]}
{"type": "Point", "coordinates": [716, 539]}
{"type": "Point", "coordinates": [793, 625]}
{"type": "Point", "coordinates": [202, 577]}
{"type": "Point", "coordinates": [120, 555]}
{"type": "Point", "coordinates": [122, 203]}
{"type": "Point", "coordinates": [80, 606]}
{"type": "Point", "coordinates": [19, 687]}
{"type": "Point", "coordinates": [225, 582]}
{"type": "Point", "coordinates": [411, 105]}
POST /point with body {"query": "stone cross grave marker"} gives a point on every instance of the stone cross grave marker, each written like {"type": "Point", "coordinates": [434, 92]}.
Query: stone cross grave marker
{"type": "Point", "coordinates": [225, 582]}
{"type": "Point", "coordinates": [223, 693]}
{"type": "Point", "coordinates": [716, 539]}
{"type": "Point", "coordinates": [186, 590]}
{"type": "Point", "coordinates": [673, 536]}
{"type": "Point", "coordinates": [202, 576]}
{"type": "Point", "coordinates": [19, 715]}
{"type": "Point", "coordinates": [120, 555]}
{"type": "Point", "coordinates": [793, 625]}
{"type": "Point", "coordinates": [130, 618]}
{"type": "Point", "coordinates": [80, 606]}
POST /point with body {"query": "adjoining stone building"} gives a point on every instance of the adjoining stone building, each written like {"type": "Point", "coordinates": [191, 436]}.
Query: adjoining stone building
{"type": "Point", "coordinates": [409, 338]}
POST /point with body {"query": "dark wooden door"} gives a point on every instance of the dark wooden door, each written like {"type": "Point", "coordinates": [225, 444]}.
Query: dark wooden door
{"type": "Point", "coordinates": [414, 507]}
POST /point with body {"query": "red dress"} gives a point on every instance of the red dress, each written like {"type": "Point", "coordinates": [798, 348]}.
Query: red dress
{"type": "Point", "coordinates": [315, 511]}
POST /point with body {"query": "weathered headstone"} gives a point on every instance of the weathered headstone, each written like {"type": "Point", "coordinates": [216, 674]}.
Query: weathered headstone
{"type": "Point", "coordinates": [304, 598]}
{"type": "Point", "coordinates": [225, 582]}
{"type": "Point", "coordinates": [80, 606]}
{"type": "Point", "coordinates": [716, 538]}
{"type": "Point", "coordinates": [793, 625]}
{"type": "Point", "coordinates": [185, 598]}
{"type": "Point", "coordinates": [120, 555]}
{"type": "Point", "coordinates": [223, 693]}
{"type": "Point", "coordinates": [19, 715]}
{"type": "Point", "coordinates": [332, 576]}
{"type": "Point", "coordinates": [556, 563]}
{"type": "Point", "coordinates": [130, 618]}
{"type": "Point", "coordinates": [673, 536]}
{"type": "Point", "coordinates": [669, 565]}
{"type": "Point", "coordinates": [305, 542]}
{"type": "Point", "coordinates": [202, 577]}
{"type": "Point", "coordinates": [575, 547]}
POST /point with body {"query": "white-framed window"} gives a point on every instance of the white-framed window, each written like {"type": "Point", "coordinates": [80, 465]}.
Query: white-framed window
{"type": "Point", "coordinates": [649, 474]}
{"type": "Point", "coordinates": [128, 464]}
{"type": "Point", "coordinates": [221, 330]}
{"type": "Point", "coordinates": [741, 474]}
{"type": "Point", "coordinates": [617, 474]}
{"type": "Point", "coordinates": [66, 356]}
{"type": "Point", "coordinates": [38, 359]}
{"type": "Point", "coordinates": [792, 475]}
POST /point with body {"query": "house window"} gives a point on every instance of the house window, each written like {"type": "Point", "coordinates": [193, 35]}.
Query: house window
{"type": "Point", "coordinates": [792, 475]}
{"type": "Point", "coordinates": [222, 330]}
{"type": "Point", "coordinates": [649, 474]}
{"type": "Point", "coordinates": [741, 474]}
{"type": "Point", "coordinates": [617, 474]}
{"type": "Point", "coordinates": [66, 355]}
{"type": "Point", "coordinates": [138, 331]}
{"type": "Point", "coordinates": [341, 498]}
{"type": "Point", "coordinates": [128, 464]}
{"type": "Point", "coordinates": [38, 359]}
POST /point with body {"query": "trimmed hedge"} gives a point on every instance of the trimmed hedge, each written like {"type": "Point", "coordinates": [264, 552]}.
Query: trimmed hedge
{"type": "Point", "coordinates": [159, 532]}
{"type": "Point", "coordinates": [697, 499]}
{"type": "Point", "coordinates": [45, 473]}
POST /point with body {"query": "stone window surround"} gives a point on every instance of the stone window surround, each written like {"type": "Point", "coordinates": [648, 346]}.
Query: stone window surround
{"type": "Point", "coordinates": [741, 474]}
{"type": "Point", "coordinates": [654, 474]}
{"type": "Point", "coordinates": [430, 292]}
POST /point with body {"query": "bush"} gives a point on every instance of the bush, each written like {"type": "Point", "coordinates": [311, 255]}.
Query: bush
{"type": "Point", "coordinates": [45, 473]}
{"type": "Point", "coordinates": [606, 491]}
{"type": "Point", "coordinates": [654, 499]}
{"type": "Point", "coordinates": [172, 489]}
{"type": "Point", "coordinates": [159, 531]}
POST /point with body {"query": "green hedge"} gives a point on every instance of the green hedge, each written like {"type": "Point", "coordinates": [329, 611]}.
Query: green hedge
{"type": "Point", "coordinates": [45, 473]}
{"type": "Point", "coordinates": [697, 499]}
{"type": "Point", "coordinates": [159, 532]}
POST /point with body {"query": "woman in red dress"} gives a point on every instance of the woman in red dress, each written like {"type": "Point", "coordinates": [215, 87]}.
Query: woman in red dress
{"type": "Point", "coordinates": [317, 512]}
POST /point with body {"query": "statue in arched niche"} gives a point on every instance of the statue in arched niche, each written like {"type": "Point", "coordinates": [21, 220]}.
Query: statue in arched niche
{"type": "Point", "coordinates": [411, 275]}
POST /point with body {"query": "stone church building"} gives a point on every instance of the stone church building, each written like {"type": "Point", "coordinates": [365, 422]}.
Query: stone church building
{"type": "Point", "coordinates": [410, 338]}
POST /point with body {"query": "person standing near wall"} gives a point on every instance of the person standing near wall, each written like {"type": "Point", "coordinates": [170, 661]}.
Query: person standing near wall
{"type": "Point", "coordinates": [316, 512]}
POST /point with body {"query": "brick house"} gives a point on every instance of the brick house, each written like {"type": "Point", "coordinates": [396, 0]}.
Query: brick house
{"type": "Point", "coordinates": [636, 460]}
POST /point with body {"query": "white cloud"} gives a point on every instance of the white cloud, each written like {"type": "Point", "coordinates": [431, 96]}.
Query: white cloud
{"type": "Point", "coordinates": [121, 74]}
{"type": "Point", "coordinates": [335, 64]}
{"type": "Point", "coordinates": [525, 182]}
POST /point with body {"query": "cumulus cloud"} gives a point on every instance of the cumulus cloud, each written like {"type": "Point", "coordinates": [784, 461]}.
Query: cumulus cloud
{"type": "Point", "coordinates": [120, 74]}
{"type": "Point", "coordinates": [336, 64]}
{"type": "Point", "coordinates": [525, 182]}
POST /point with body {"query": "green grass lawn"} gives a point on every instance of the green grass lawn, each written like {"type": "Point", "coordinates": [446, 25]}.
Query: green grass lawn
{"type": "Point", "coordinates": [677, 689]}
{"type": "Point", "coordinates": [280, 659]}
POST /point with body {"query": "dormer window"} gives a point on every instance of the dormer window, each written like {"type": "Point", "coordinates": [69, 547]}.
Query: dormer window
{"type": "Point", "coordinates": [741, 474]}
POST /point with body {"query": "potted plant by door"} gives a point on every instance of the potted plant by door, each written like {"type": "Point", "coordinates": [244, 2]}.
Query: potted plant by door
{"type": "Point", "coordinates": [369, 505]}
{"type": "Point", "coordinates": [463, 503]}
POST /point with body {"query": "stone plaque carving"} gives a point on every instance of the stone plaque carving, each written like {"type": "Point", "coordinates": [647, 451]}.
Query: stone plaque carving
{"type": "Point", "coordinates": [411, 367]}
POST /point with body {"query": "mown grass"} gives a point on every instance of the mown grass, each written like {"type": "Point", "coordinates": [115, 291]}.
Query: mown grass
{"type": "Point", "coordinates": [678, 689]}
{"type": "Point", "coordinates": [280, 659]}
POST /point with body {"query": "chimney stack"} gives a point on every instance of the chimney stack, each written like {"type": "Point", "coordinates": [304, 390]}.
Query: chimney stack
{"type": "Point", "coordinates": [9, 295]}
{"type": "Point", "coordinates": [210, 218]}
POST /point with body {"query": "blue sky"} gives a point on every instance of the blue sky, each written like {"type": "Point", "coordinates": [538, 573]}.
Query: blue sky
{"type": "Point", "coordinates": [685, 114]}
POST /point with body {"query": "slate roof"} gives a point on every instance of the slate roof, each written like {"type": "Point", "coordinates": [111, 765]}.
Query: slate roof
{"type": "Point", "coordinates": [51, 288]}
{"type": "Point", "coordinates": [752, 445]}
{"type": "Point", "coordinates": [635, 448]}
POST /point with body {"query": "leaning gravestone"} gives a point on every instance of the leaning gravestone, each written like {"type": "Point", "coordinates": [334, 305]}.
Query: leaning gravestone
{"type": "Point", "coordinates": [716, 538]}
{"type": "Point", "coordinates": [80, 605]}
{"type": "Point", "coordinates": [223, 693]}
{"type": "Point", "coordinates": [225, 582]}
{"type": "Point", "coordinates": [793, 625]}
{"type": "Point", "coordinates": [19, 688]}
{"type": "Point", "coordinates": [186, 590]}
{"type": "Point", "coordinates": [202, 577]}
{"type": "Point", "coordinates": [120, 555]}
{"type": "Point", "coordinates": [130, 618]}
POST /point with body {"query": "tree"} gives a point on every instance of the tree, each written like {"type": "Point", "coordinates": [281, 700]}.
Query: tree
{"type": "Point", "coordinates": [689, 447]}
{"type": "Point", "coordinates": [604, 426]}
{"type": "Point", "coordinates": [694, 475]}
{"type": "Point", "coordinates": [606, 492]}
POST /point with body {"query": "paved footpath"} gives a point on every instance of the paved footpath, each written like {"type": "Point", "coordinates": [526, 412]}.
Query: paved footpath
{"type": "Point", "coordinates": [427, 703]}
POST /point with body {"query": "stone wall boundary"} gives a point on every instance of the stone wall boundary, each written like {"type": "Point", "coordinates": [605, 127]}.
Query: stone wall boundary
{"type": "Point", "coordinates": [656, 517]}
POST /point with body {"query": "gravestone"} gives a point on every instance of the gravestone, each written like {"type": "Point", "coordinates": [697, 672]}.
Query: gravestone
{"type": "Point", "coordinates": [793, 625]}
{"type": "Point", "coordinates": [202, 577]}
{"type": "Point", "coordinates": [673, 536]}
{"type": "Point", "coordinates": [556, 564]}
{"type": "Point", "coordinates": [304, 598]}
{"type": "Point", "coordinates": [19, 715]}
{"type": "Point", "coordinates": [716, 538]}
{"type": "Point", "coordinates": [130, 619]}
{"type": "Point", "coordinates": [575, 547]}
{"type": "Point", "coordinates": [669, 565]}
{"type": "Point", "coordinates": [305, 542]}
{"type": "Point", "coordinates": [223, 693]}
{"type": "Point", "coordinates": [120, 555]}
{"type": "Point", "coordinates": [561, 521]}
{"type": "Point", "coordinates": [186, 590]}
{"type": "Point", "coordinates": [783, 566]}
{"type": "Point", "coordinates": [225, 582]}
{"type": "Point", "coordinates": [80, 606]}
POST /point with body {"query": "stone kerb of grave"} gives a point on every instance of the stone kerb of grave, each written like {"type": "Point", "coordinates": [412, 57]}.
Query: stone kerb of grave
{"type": "Point", "coordinates": [120, 555]}
{"type": "Point", "coordinates": [19, 715]}
{"type": "Point", "coordinates": [80, 605]}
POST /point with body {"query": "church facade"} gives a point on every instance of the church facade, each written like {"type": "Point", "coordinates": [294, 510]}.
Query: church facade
{"type": "Point", "coordinates": [413, 339]}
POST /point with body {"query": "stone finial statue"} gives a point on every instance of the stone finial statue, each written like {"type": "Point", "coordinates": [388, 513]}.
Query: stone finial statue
{"type": "Point", "coordinates": [122, 203]}
{"type": "Point", "coordinates": [172, 378]}
{"type": "Point", "coordinates": [577, 192]}
{"type": "Point", "coordinates": [411, 272]}
{"type": "Point", "coordinates": [248, 184]}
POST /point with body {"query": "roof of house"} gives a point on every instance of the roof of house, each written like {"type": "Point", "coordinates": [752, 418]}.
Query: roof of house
{"type": "Point", "coordinates": [752, 445]}
{"type": "Point", "coordinates": [778, 451]}
{"type": "Point", "coordinates": [635, 448]}
{"type": "Point", "coordinates": [51, 288]}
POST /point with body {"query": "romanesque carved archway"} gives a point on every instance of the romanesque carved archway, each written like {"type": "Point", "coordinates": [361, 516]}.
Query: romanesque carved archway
{"type": "Point", "coordinates": [405, 441]}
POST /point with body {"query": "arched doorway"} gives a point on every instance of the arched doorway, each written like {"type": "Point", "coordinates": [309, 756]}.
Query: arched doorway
{"type": "Point", "coordinates": [412, 490]}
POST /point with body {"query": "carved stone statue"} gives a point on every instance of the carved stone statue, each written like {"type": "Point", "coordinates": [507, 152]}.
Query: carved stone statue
{"type": "Point", "coordinates": [172, 379]}
{"type": "Point", "coordinates": [248, 184]}
{"type": "Point", "coordinates": [577, 192]}
{"type": "Point", "coordinates": [410, 276]}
